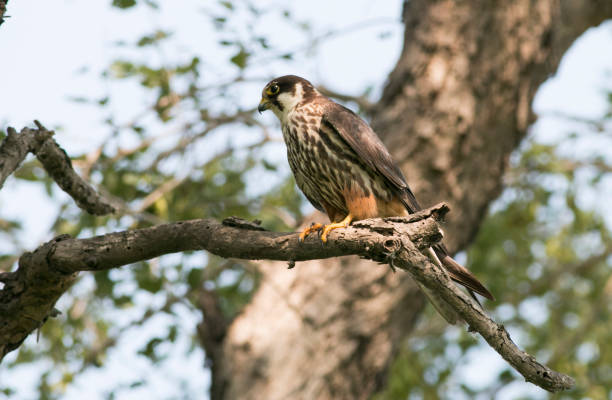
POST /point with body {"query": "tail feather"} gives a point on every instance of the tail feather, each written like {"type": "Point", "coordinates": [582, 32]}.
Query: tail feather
{"type": "Point", "coordinates": [439, 255]}
{"type": "Point", "coordinates": [460, 274]}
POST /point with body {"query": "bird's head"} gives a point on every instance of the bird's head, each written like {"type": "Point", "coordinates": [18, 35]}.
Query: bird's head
{"type": "Point", "coordinates": [283, 94]}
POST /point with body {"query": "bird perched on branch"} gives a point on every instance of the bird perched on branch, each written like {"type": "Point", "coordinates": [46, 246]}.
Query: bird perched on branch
{"type": "Point", "coordinates": [343, 168]}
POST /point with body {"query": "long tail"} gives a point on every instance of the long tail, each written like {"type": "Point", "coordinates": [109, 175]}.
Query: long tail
{"type": "Point", "coordinates": [440, 256]}
{"type": "Point", "coordinates": [460, 274]}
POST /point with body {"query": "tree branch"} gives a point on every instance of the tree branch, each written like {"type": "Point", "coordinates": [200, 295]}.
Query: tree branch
{"type": "Point", "coordinates": [362, 101]}
{"type": "Point", "coordinates": [30, 293]}
{"type": "Point", "coordinates": [15, 147]}
{"type": "Point", "coordinates": [434, 278]}
{"type": "Point", "coordinates": [2, 10]}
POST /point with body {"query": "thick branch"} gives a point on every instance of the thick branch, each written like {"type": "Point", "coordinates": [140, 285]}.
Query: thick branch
{"type": "Point", "coordinates": [31, 292]}
{"type": "Point", "coordinates": [55, 161]}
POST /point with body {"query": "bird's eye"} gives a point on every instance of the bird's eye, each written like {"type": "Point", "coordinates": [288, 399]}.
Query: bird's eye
{"type": "Point", "coordinates": [272, 90]}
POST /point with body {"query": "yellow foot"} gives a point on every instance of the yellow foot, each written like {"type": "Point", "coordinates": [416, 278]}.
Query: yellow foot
{"type": "Point", "coordinates": [312, 228]}
{"type": "Point", "coordinates": [342, 224]}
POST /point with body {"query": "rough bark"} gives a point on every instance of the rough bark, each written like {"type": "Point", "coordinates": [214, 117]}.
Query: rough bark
{"type": "Point", "coordinates": [29, 293]}
{"type": "Point", "coordinates": [453, 110]}
{"type": "Point", "coordinates": [16, 146]}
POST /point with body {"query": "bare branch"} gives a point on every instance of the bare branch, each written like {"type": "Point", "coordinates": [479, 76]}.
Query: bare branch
{"type": "Point", "coordinates": [315, 41]}
{"type": "Point", "coordinates": [599, 124]}
{"type": "Point", "coordinates": [212, 123]}
{"type": "Point", "coordinates": [436, 279]}
{"type": "Point", "coordinates": [56, 162]}
{"type": "Point", "coordinates": [362, 101]}
{"type": "Point", "coordinates": [15, 147]}
{"type": "Point", "coordinates": [58, 165]}
{"type": "Point", "coordinates": [31, 292]}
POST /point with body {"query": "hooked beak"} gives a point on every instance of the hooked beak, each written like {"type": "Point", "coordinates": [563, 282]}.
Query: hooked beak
{"type": "Point", "coordinates": [263, 105]}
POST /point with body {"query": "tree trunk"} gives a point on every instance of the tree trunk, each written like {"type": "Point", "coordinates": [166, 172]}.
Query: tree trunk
{"type": "Point", "coordinates": [454, 108]}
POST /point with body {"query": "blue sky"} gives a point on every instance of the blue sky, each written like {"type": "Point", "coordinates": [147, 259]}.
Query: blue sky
{"type": "Point", "coordinates": [45, 46]}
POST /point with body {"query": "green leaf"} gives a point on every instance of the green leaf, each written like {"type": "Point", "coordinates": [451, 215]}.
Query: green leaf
{"type": "Point", "coordinates": [146, 279]}
{"type": "Point", "coordinates": [149, 349]}
{"type": "Point", "coordinates": [172, 333]}
{"type": "Point", "coordinates": [219, 22]}
{"type": "Point", "coordinates": [227, 4]}
{"type": "Point", "coordinates": [78, 99]}
{"type": "Point", "coordinates": [240, 59]}
{"type": "Point", "coordinates": [268, 166]}
{"type": "Point", "coordinates": [124, 3]}
{"type": "Point", "coordinates": [194, 278]}
{"type": "Point", "coordinates": [153, 38]}
{"type": "Point", "coordinates": [263, 42]}
{"type": "Point", "coordinates": [104, 285]}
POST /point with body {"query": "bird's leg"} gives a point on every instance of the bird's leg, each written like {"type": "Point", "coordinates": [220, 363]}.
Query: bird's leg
{"type": "Point", "coordinates": [312, 228]}
{"type": "Point", "coordinates": [342, 224]}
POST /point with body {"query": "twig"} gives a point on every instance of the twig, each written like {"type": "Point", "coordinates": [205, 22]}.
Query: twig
{"type": "Point", "coordinates": [598, 125]}
{"type": "Point", "coordinates": [212, 123]}
{"type": "Point", "coordinates": [315, 41]}
{"type": "Point", "coordinates": [361, 101]}
{"type": "Point", "coordinates": [158, 193]}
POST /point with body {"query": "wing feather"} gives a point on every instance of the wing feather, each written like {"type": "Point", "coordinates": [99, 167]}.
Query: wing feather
{"type": "Point", "coordinates": [371, 151]}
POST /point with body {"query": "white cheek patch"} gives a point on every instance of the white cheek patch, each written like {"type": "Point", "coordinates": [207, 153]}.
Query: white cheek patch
{"type": "Point", "coordinates": [286, 100]}
{"type": "Point", "coordinates": [289, 100]}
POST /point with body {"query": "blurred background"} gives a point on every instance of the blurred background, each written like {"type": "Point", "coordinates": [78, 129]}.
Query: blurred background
{"type": "Point", "coordinates": [155, 103]}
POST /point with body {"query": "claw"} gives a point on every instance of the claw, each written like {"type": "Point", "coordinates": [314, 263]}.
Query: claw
{"type": "Point", "coordinates": [342, 224]}
{"type": "Point", "coordinates": [312, 228]}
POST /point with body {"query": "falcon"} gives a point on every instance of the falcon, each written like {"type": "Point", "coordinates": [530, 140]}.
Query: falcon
{"type": "Point", "coordinates": [344, 169]}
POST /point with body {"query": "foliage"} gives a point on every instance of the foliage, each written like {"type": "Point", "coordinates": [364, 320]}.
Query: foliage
{"type": "Point", "coordinates": [197, 150]}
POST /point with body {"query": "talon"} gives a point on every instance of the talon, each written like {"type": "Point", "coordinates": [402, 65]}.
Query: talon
{"type": "Point", "coordinates": [312, 228]}
{"type": "Point", "coordinates": [342, 224]}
